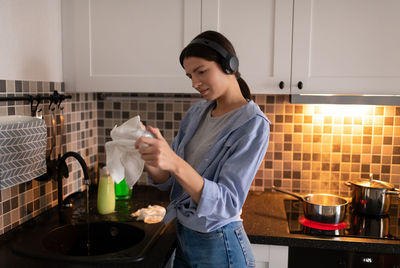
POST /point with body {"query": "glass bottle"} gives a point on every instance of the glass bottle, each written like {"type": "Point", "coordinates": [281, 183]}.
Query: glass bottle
{"type": "Point", "coordinates": [105, 193]}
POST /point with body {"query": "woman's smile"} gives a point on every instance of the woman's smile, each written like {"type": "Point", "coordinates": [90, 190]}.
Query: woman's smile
{"type": "Point", "coordinates": [203, 92]}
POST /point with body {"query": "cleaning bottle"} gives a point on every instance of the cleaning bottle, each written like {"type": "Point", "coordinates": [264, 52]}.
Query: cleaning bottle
{"type": "Point", "coordinates": [105, 193]}
{"type": "Point", "coordinates": [122, 190]}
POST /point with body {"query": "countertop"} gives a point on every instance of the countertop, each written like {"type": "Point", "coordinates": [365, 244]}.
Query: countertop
{"type": "Point", "coordinates": [263, 216]}
{"type": "Point", "coordinates": [264, 220]}
{"type": "Point", "coordinates": [159, 252]}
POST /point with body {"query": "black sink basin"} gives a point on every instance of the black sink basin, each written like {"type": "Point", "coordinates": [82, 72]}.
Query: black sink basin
{"type": "Point", "coordinates": [92, 239]}
{"type": "Point", "coordinates": [100, 243]}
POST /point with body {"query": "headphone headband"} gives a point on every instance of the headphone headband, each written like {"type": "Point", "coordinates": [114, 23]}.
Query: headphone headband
{"type": "Point", "coordinates": [230, 62]}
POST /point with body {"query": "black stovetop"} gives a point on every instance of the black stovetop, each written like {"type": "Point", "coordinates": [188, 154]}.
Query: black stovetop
{"type": "Point", "coordinates": [357, 225]}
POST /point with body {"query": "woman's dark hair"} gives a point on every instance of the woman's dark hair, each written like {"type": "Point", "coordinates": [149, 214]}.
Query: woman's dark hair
{"type": "Point", "coordinates": [207, 53]}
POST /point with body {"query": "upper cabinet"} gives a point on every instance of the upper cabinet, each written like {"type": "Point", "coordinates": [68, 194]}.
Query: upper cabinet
{"type": "Point", "coordinates": [127, 45]}
{"type": "Point", "coordinates": [133, 46]}
{"type": "Point", "coordinates": [261, 31]}
{"type": "Point", "coordinates": [346, 47]}
{"type": "Point", "coordinates": [284, 46]}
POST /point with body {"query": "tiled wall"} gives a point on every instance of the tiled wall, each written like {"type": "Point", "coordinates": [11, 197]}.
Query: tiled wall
{"type": "Point", "coordinates": [312, 148]}
{"type": "Point", "coordinates": [25, 201]}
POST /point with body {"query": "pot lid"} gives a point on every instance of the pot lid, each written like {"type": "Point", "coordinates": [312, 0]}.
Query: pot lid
{"type": "Point", "coordinates": [374, 184]}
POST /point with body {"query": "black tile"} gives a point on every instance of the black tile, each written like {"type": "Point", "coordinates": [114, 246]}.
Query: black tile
{"type": "Point", "coordinates": [160, 116]}
{"type": "Point", "coordinates": [6, 206]}
{"type": "Point", "coordinates": [385, 169]}
{"type": "Point", "coordinates": [168, 125]}
{"type": "Point", "coordinates": [39, 86]}
{"type": "Point", "coordinates": [287, 174]}
{"type": "Point", "coordinates": [108, 114]}
{"type": "Point", "coordinates": [14, 202]}
{"type": "Point", "coordinates": [365, 168]}
{"type": "Point", "coordinates": [11, 110]}
{"type": "Point", "coordinates": [278, 156]}
{"type": "Point", "coordinates": [29, 208]}
{"type": "Point", "coordinates": [125, 115]}
{"type": "Point", "coordinates": [270, 99]}
{"type": "Point", "coordinates": [117, 105]}
{"type": "Point", "coordinates": [22, 212]}
{"type": "Point", "coordinates": [22, 188]}
{"type": "Point", "coordinates": [177, 116]}
{"type": "Point", "coordinates": [160, 107]}
{"type": "Point", "coordinates": [376, 159]}
{"type": "Point", "coordinates": [42, 190]}
{"type": "Point", "coordinates": [29, 185]}
{"type": "Point", "coordinates": [18, 86]}
{"type": "Point", "coordinates": [296, 174]}
{"type": "Point", "coordinates": [2, 85]}
{"type": "Point", "coordinates": [268, 164]}
{"type": "Point", "coordinates": [278, 183]}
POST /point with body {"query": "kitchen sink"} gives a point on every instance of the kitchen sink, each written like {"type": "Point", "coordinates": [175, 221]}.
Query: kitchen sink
{"type": "Point", "coordinates": [92, 239]}
{"type": "Point", "coordinates": [100, 242]}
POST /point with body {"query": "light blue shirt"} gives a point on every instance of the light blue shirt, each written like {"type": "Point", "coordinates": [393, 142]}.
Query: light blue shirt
{"type": "Point", "coordinates": [228, 168]}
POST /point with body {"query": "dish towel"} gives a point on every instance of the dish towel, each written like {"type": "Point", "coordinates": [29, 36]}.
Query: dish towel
{"type": "Point", "coordinates": [151, 214]}
{"type": "Point", "coordinates": [122, 158]}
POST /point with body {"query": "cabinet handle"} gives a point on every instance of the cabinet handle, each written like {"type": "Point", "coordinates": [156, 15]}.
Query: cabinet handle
{"type": "Point", "coordinates": [281, 84]}
{"type": "Point", "coordinates": [300, 85]}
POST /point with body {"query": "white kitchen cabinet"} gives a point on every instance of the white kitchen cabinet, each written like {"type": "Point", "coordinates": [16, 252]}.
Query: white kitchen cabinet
{"type": "Point", "coordinates": [261, 31]}
{"type": "Point", "coordinates": [331, 47]}
{"type": "Point", "coordinates": [127, 45]}
{"type": "Point", "coordinates": [270, 256]}
{"type": "Point", "coordinates": [133, 46]}
{"type": "Point", "coordinates": [346, 47]}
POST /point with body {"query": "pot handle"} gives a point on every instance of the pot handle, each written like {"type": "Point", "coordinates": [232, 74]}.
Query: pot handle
{"type": "Point", "coordinates": [395, 191]}
{"type": "Point", "coordinates": [347, 183]}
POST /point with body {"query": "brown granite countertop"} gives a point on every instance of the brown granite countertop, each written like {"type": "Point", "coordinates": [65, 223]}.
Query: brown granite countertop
{"type": "Point", "coordinates": [264, 220]}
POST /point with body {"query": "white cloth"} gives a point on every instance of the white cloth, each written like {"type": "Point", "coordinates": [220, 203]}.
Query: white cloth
{"type": "Point", "coordinates": [122, 158]}
{"type": "Point", "coordinates": [151, 214]}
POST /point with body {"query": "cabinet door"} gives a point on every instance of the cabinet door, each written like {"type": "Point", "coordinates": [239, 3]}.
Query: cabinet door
{"type": "Point", "coordinates": [270, 256]}
{"type": "Point", "coordinates": [261, 33]}
{"type": "Point", "coordinates": [346, 47]}
{"type": "Point", "coordinates": [127, 45]}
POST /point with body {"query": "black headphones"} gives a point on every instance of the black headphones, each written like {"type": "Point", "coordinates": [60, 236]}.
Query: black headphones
{"type": "Point", "coordinates": [229, 64]}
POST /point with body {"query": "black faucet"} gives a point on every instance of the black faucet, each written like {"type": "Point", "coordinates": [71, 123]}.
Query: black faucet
{"type": "Point", "coordinates": [62, 171]}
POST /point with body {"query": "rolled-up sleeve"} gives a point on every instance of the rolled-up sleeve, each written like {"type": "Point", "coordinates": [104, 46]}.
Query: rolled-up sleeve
{"type": "Point", "coordinates": [223, 197]}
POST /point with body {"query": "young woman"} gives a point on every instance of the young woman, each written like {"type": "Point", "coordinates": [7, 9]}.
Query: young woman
{"type": "Point", "coordinates": [213, 159]}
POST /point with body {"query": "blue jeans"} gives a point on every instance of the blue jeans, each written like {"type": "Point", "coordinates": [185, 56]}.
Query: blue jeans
{"type": "Point", "coordinates": [227, 246]}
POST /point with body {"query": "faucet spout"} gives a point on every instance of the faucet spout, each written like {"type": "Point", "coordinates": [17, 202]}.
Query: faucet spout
{"type": "Point", "coordinates": [62, 171]}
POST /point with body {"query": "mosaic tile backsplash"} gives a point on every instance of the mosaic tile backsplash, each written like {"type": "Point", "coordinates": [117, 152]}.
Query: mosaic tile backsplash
{"type": "Point", "coordinates": [313, 148]}
{"type": "Point", "coordinates": [22, 202]}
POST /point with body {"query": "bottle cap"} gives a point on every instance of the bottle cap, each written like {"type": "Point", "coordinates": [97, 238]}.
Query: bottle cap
{"type": "Point", "coordinates": [104, 171]}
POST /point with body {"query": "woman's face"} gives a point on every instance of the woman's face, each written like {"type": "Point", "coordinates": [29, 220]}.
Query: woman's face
{"type": "Point", "coordinates": [207, 77]}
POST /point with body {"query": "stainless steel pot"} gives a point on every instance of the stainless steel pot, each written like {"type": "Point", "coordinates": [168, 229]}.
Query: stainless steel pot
{"type": "Point", "coordinates": [371, 197]}
{"type": "Point", "coordinates": [323, 208]}
{"type": "Point", "coordinates": [370, 225]}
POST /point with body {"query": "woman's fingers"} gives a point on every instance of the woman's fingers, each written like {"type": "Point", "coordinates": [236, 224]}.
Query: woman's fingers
{"type": "Point", "coordinates": [156, 132]}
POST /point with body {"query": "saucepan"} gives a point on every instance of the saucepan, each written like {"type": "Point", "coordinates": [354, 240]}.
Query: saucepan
{"type": "Point", "coordinates": [323, 208]}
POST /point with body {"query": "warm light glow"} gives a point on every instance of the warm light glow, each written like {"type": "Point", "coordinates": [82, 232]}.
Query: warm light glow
{"type": "Point", "coordinates": [344, 110]}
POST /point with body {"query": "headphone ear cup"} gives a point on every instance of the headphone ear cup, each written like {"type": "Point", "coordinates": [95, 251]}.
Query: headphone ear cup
{"type": "Point", "coordinates": [230, 64]}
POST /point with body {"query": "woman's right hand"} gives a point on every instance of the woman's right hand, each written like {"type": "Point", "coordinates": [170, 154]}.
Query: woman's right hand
{"type": "Point", "coordinates": [157, 154]}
